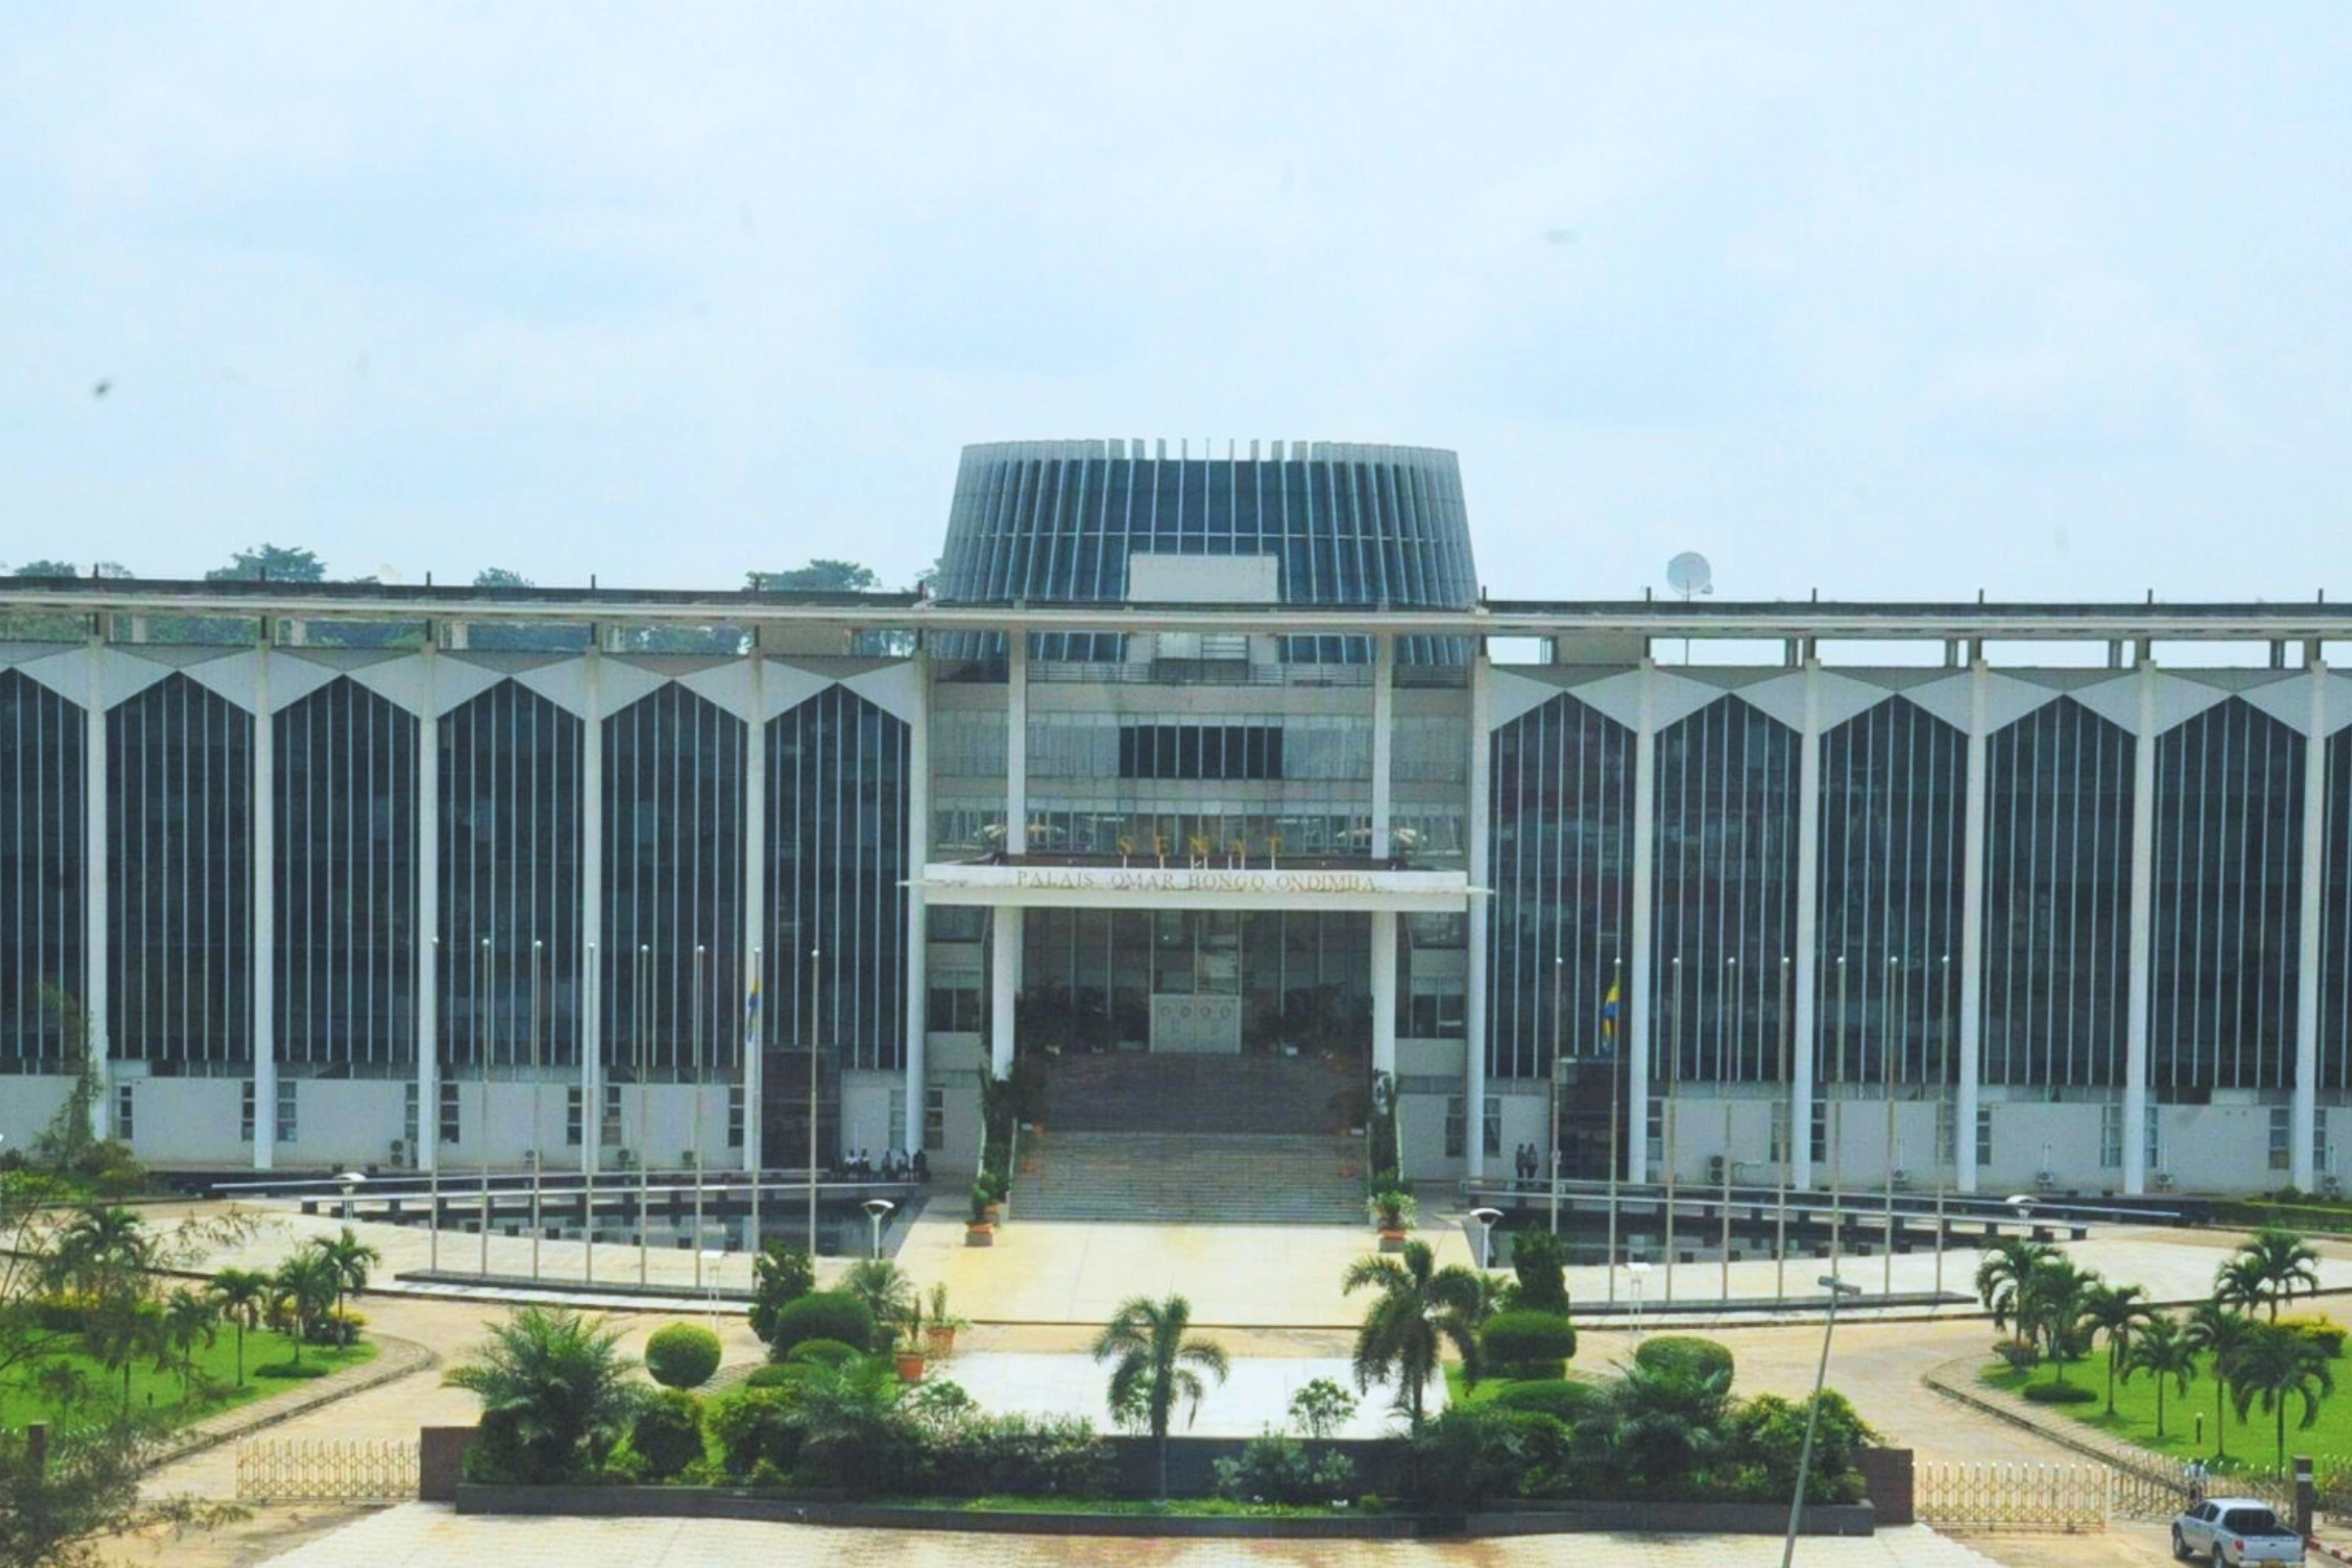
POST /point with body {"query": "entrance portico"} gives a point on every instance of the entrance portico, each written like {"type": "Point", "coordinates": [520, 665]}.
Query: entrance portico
{"type": "Point", "coordinates": [1206, 1016]}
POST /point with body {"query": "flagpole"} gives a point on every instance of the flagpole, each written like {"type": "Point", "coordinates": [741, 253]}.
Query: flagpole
{"type": "Point", "coordinates": [696, 1015]}
{"type": "Point", "coordinates": [481, 1042]}
{"type": "Point", "coordinates": [1730, 1071]}
{"type": "Point", "coordinates": [1673, 1065]}
{"type": "Point", "coordinates": [538, 1160]}
{"type": "Point", "coordinates": [592, 1150]}
{"type": "Point", "coordinates": [1557, 1067]}
{"type": "Point", "coordinates": [644, 1148]}
{"type": "Point", "coordinates": [1616, 967]}
{"type": "Point", "coordinates": [433, 1260]}
{"type": "Point", "coordinates": [812, 957]}
{"type": "Point", "coordinates": [751, 1044]}
{"type": "Point", "coordinates": [1838, 1129]}
{"type": "Point", "coordinates": [1780, 1221]}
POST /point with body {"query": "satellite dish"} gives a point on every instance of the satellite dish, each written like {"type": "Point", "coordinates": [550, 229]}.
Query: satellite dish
{"type": "Point", "coordinates": [1688, 573]}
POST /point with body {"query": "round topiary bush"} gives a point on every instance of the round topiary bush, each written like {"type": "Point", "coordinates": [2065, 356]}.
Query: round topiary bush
{"type": "Point", "coordinates": [1565, 1401]}
{"type": "Point", "coordinates": [682, 1356]}
{"type": "Point", "coordinates": [667, 1433]}
{"type": "Point", "coordinates": [1685, 1356]}
{"type": "Point", "coordinates": [2059, 1393]}
{"type": "Point", "coordinates": [822, 1352]}
{"type": "Point", "coordinates": [822, 1315]}
{"type": "Point", "coordinates": [781, 1376]}
{"type": "Point", "coordinates": [1528, 1344]}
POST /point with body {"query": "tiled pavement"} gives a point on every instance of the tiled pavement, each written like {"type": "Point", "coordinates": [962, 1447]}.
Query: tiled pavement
{"type": "Point", "coordinates": [418, 1534]}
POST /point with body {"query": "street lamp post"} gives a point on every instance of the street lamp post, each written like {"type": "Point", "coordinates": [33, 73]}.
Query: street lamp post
{"type": "Point", "coordinates": [695, 1012]}
{"type": "Point", "coordinates": [1893, 1050]}
{"type": "Point", "coordinates": [1485, 1218]}
{"type": "Point", "coordinates": [1943, 1096]}
{"type": "Point", "coordinates": [875, 1208]}
{"type": "Point", "coordinates": [645, 1145]}
{"type": "Point", "coordinates": [752, 1128]}
{"type": "Point", "coordinates": [1616, 1061]}
{"type": "Point", "coordinates": [1804, 1455]}
{"type": "Point", "coordinates": [431, 1115]}
{"type": "Point", "coordinates": [1838, 1129]}
{"type": "Point", "coordinates": [812, 959]}
{"type": "Point", "coordinates": [1728, 1060]}
{"type": "Point", "coordinates": [482, 1045]}
{"type": "Point", "coordinates": [592, 1150]}
{"type": "Point", "coordinates": [1674, 1053]}
{"type": "Point", "coordinates": [1789, 1133]}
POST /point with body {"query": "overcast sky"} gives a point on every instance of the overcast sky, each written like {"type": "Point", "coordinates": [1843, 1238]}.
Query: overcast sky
{"type": "Point", "coordinates": [1882, 300]}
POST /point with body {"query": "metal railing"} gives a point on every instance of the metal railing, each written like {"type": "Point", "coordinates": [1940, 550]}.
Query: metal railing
{"type": "Point", "coordinates": [2071, 1498]}
{"type": "Point", "coordinates": [1196, 672]}
{"type": "Point", "coordinates": [327, 1470]}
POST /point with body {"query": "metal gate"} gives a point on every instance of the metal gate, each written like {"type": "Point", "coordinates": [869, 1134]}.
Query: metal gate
{"type": "Point", "coordinates": [326, 1470]}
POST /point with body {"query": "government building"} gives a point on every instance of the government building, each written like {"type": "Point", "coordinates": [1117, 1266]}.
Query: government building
{"type": "Point", "coordinates": [1211, 782]}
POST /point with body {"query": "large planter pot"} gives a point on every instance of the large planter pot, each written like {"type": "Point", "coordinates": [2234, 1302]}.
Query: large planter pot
{"type": "Point", "coordinates": [940, 1342]}
{"type": "Point", "coordinates": [910, 1366]}
{"type": "Point", "coordinates": [995, 1213]}
{"type": "Point", "coordinates": [1392, 1240]}
{"type": "Point", "coordinates": [980, 1235]}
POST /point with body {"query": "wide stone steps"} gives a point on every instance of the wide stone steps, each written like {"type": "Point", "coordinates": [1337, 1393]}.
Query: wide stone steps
{"type": "Point", "coordinates": [1190, 1178]}
{"type": "Point", "coordinates": [1181, 1094]}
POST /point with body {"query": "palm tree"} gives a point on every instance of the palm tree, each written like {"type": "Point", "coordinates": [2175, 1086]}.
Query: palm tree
{"type": "Point", "coordinates": [2242, 1282]}
{"type": "Point", "coordinates": [2003, 1274]}
{"type": "Point", "coordinates": [2115, 1310]}
{"type": "Point", "coordinates": [1155, 1364]}
{"type": "Point", "coordinates": [2217, 1331]}
{"type": "Point", "coordinates": [1421, 1309]}
{"type": "Point", "coordinates": [2274, 1365]}
{"type": "Point", "coordinates": [188, 1319]}
{"type": "Point", "coordinates": [305, 1283]}
{"type": "Point", "coordinates": [2283, 1261]}
{"type": "Point", "coordinates": [350, 1259]}
{"type": "Point", "coordinates": [102, 1252]}
{"type": "Point", "coordinates": [885, 1289]}
{"type": "Point", "coordinates": [1664, 1422]}
{"type": "Point", "coordinates": [2167, 1351]}
{"type": "Point", "coordinates": [241, 1294]}
{"type": "Point", "coordinates": [120, 1330]}
{"type": "Point", "coordinates": [555, 1391]}
{"type": "Point", "coordinates": [2054, 1297]}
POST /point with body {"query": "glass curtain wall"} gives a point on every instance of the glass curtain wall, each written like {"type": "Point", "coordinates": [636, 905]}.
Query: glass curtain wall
{"type": "Point", "coordinates": [509, 862]}
{"type": "Point", "coordinates": [674, 884]}
{"type": "Point", "coordinates": [180, 882]}
{"type": "Point", "coordinates": [1727, 785]}
{"type": "Point", "coordinates": [346, 880]}
{"type": "Point", "coordinates": [2335, 921]}
{"type": "Point", "coordinates": [2229, 880]}
{"type": "Point", "coordinates": [1893, 809]}
{"type": "Point", "coordinates": [836, 869]}
{"type": "Point", "coordinates": [42, 869]}
{"type": "Point", "coordinates": [1563, 873]}
{"type": "Point", "coordinates": [2058, 802]}
{"type": "Point", "coordinates": [1088, 976]}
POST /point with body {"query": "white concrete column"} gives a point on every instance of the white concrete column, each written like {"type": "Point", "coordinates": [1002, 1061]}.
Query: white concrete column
{"type": "Point", "coordinates": [1482, 908]}
{"type": "Point", "coordinates": [1972, 935]}
{"type": "Point", "coordinates": [1638, 1004]}
{"type": "Point", "coordinates": [264, 917]}
{"type": "Point", "coordinates": [918, 925]}
{"type": "Point", "coordinates": [1384, 990]}
{"type": "Point", "coordinates": [2305, 1116]}
{"type": "Point", "coordinates": [1004, 981]}
{"type": "Point", "coordinates": [1383, 751]}
{"type": "Point", "coordinates": [428, 920]}
{"type": "Point", "coordinates": [755, 898]}
{"type": "Point", "coordinates": [1016, 743]}
{"type": "Point", "coordinates": [2143, 888]}
{"type": "Point", "coordinates": [592, 892]}
{"type": "Point", "coordinates": [1805, 1025]}
{"type": "Point", "coordinates": [95, 950]}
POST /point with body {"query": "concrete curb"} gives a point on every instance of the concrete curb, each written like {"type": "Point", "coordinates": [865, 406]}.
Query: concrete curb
{"type": "Point", "coordinates": [1955, 1380]}
{"type": "Point", "coordinates": [396, 1359]}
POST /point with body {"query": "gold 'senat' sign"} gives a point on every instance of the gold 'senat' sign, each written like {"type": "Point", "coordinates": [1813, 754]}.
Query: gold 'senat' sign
{"type": "Point", "coordinates": [1204, 881]}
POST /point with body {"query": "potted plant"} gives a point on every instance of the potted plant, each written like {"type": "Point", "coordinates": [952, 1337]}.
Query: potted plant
{"type": "Point", "coordinates": [1394, 1211]}
{"type": "Point", "coordinates": [908, 1351]}
{"type": "Point", "coordinates": [938, 1335]}
{"type": "Point", "coordinates": [979, 1230]}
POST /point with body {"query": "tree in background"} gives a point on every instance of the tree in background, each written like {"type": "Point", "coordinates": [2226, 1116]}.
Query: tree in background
{"type": "Point", "coordinates": [1154, 1353]}
{"type": "Point", "coordinates": [2216, 1330]}
{"type": "Point", "coordinates": [187, 1319]}
{"type": "Point", "coordinates": [241, 1294]}
{"type": "Point", "coordinates": [2272, 1365]}
{"type": "Point", "coordinates": [2269, 1267]}
{"type": "Point", "coordinates": [2168, 1352]}
{"type": "Point", "coordinates": [816, 577]}
{"type": "Point", "coordinates": [270, 563]}
{"type": "Point", "coordinates": [556, 1395]}
{"type": "Point", "coordinates": [2116, 1311]}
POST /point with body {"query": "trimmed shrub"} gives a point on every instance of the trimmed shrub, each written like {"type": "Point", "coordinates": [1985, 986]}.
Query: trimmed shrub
{"type": "Point", "coordinates": [1017, 1454]}
{"type": "Point", "coordinates": [1279, 1469]}
{"type": "Point", "coordinates": [1563, 1400]}
{"type": "Point", "coordinates": [1765, 1437]}
{"type": "Point", "coordinates": [288, 1370]}
{"type": "Point", "coordinates": [1468, 1456]}
{"type": "Point", "coordinates": [2059, 1393]}
{"type": "Point", "coordinates": [1540, 1260]}
{"type": "Point", "coordinates": [681, 1355]}
{"type": "Point", "coordinates": [782, 1274]}
{"type": "Point", "coordinates": [822, 1352]}
{"type": "Point", "coordinates": [778, 1375]}
{"type": "Point", "coordinates": [754, 1427]}
{"type": "Point", "coordinates": [668, 1434]}
{"type": "Point", "coordinates": [822, 1315]}
{"type": "Point", "coordinates": [1684, 1356]}
{"type": "Point", "coordinates": [2319, 1328]}
{"type": "Point", "coordinates": [1528, 1344]}
{"type": "Point", "coordinates": [2021, 1354]}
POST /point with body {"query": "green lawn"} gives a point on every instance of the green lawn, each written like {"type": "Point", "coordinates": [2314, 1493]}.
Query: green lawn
{"type": "Point", "coordinates": [2253, 1440]}
{"type": "Point", "coordinates": [160, 1391]}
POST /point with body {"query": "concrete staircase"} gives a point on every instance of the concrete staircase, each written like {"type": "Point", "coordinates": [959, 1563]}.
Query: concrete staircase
{"type": "Point", "coordinates": [1193, 1140]}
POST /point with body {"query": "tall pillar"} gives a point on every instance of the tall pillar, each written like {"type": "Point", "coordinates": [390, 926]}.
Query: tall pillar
{"type": "Point", "coordinates": [1383, 751]}
{"type": "Point", "coordinates": [2303, 1118]}
{"type": "Point", "coordinates": [428, 919]}
{"type": "Point", "coordinates": [264, 915]}
{"type": "Point", "coordinates": [1384, 990]}
{"type": "Point", "coordinates": [2143, 879]}
{"type": "Point", "coordinates": [1004, 982]}
{"type": "Point", "coordinates": [1016, 743]}
{"type": "Point", "coordinates": [97, 953]}
{"type": "Point", "coordinates": [592, 897]}
{"type": "Point", "coordinates": [1638, 1005]}
{"type": "Point", "coordinates": [1805, 1025]}
{"type": "Point", "coordinates": [755, 902]}
{"type": "Point", "coordinates": [1971, 934]}
{"type": "Point", "coordinates": [1481, 906]}
{"type": "Point", "coordinates": [918, 927]}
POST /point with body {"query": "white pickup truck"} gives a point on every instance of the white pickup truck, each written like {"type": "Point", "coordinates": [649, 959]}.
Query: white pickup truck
{"type": "Point", "coordinates": [2231, 1531]}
